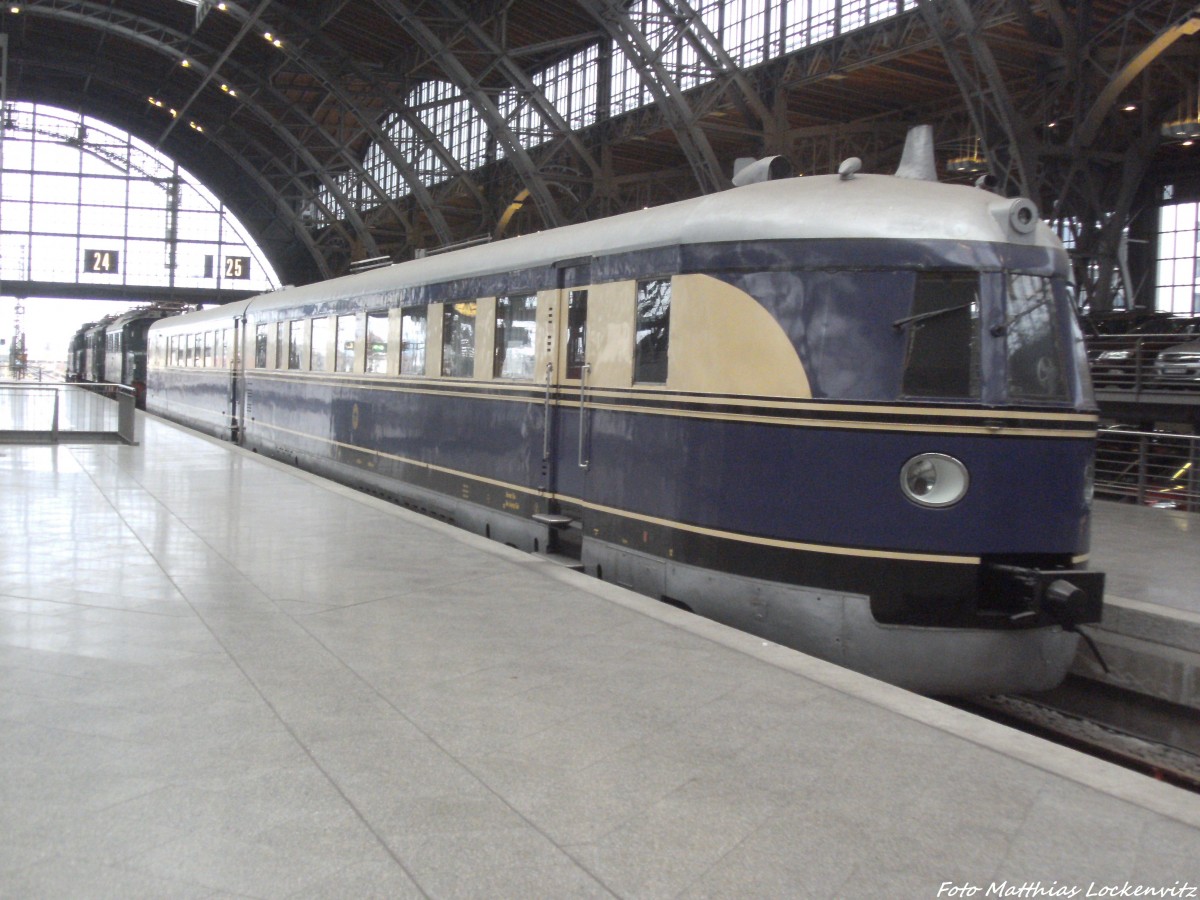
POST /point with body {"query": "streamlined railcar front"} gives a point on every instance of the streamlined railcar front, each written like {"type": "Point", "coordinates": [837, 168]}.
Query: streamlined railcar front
{"type": "Point", "coordinates": [922, 513]}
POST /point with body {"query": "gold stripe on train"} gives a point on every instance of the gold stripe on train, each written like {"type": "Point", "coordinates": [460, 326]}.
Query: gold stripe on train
{"type": "Point", "coordinates": [648, 519]}
{"type": "Point", "coordinates": [529, 392]}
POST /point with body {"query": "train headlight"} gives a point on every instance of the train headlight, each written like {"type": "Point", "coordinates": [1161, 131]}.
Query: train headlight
{"type": "Point", "coordinates": [934, 479]}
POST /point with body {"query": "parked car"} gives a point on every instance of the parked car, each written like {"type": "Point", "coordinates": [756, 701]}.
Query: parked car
{"type": "Point", "coordinates": [1127, 360]}
{"type": "Point", "coordinates": [1178, 365]}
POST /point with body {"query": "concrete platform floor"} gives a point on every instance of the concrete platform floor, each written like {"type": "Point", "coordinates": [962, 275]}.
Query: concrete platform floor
{"type": "Point", "coordinates": [1149, 555]}
{"type": "Point", "coordinates": [220, 677]}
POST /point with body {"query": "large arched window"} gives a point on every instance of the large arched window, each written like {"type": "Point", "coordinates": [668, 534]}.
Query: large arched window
{"type": "Point", "coordinates": [84, 202]}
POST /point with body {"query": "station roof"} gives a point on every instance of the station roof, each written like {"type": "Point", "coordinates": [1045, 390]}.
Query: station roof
{"type": "Point", "coordinates": [278, 104]}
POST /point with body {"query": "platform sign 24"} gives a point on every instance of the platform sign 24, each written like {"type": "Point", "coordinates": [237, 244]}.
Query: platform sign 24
{"type": "Point", "coordinates": [102, 262]}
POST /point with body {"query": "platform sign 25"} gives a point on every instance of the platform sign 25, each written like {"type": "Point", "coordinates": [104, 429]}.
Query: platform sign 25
{"type": "Point", "coordinates": [102, 262]}
{"type": "Point", "coordinates": [237, 267]}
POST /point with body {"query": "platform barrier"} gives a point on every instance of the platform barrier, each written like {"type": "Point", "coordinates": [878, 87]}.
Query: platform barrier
{"type": "Point", "coordinates": [33, 412]}
{"type": "Point", "coordinates": [1150, 468]}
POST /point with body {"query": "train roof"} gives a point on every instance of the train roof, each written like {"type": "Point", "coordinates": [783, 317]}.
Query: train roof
{"type": "Point", "coordinates": [120, 320]}
{"type": "Point", "coordinates": [802, 208]}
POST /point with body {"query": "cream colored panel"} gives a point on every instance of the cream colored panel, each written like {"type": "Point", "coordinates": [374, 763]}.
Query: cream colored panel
{"type": "Point", "coordinates": [611, 316]}
{"type": "Point", "coordinates": [360, 343]}
{"type": "Point", "coordinates": [433, 338]}
{"type": "Point", "coordinates": [485, 337]}
{"type": "Point", "coordinates": [724, 342]}
{"type": "Point", "coordinates": [548, 311]}
{"type": "Point", "coordinates": [305, 326]}
{"type": "Point", "coordinates": [395, 316]}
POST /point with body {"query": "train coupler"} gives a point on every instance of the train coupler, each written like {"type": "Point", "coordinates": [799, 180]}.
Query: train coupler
{"type": "Point", "coordinates": [1068, 597]}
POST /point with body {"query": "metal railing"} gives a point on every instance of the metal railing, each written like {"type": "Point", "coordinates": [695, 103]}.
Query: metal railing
{"type": "Point", "coordinates": [43, 412]}
{"type": "Point", "coordinates": [1126, 362]}
{"type": "Point", "coordinates": [1150, 468]}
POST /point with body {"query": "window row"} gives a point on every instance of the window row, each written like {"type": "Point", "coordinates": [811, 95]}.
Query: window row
{"type": "Point", "coordinates": [206, 348]}
{"type": "Point", "coordinates": [437, 339]}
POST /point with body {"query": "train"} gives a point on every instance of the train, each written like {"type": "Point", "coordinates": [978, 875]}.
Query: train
{"type": "Point", "coordinates": [847, 413]}
{"type": "Point", "coordinates": [113, 349]}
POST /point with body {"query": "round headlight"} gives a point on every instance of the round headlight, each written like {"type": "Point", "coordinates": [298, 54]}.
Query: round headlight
{"type": "Point", "coordinates": [934, 479]}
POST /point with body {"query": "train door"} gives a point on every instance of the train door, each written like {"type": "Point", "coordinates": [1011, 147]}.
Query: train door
{"type": "Point", "coordinates": [235, 402]}
{"type": "Point", "coordinates": [564, 370]}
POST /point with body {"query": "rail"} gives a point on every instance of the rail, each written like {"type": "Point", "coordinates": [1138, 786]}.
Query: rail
{"type": "Point", "coordinates": [1150, 468]}
{"type": "Point", "coordinates": [43, 412]}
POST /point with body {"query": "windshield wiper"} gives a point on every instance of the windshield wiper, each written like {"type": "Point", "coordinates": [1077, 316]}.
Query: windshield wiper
{"type": "Point", "coordinates": [1047, 296]}
{"type": "Point", "coordinates": [932, 314]}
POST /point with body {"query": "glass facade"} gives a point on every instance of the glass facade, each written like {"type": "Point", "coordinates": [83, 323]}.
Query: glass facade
{"type": "Point", "coordinates": [83, 202]}
{"type": "Point", "coordinates": [1178, 249]}
{"type": "Point", "coordinates": [750, 31]}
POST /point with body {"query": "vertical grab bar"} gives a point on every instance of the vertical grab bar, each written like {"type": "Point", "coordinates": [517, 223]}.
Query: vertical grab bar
{"type": "Point", "coordinates": [583, 373]}
{"type": "Point", "coordinates": [546, 415]}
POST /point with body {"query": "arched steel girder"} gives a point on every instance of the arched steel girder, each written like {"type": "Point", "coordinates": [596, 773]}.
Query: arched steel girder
{"type": "Point", "coordinates": [368, 122]}
{"type": "Point", "coordinates": [175, 46]}
{"type": "Point", "coordinates": [725, 71]}
{"type": "Point", "coordinates": [84, 66]}
{"type": "Point", "coordinates": [475, 92]}
{"type": "Point", "coordinates": [504, 63]}
{"type": "Point", "coordinates": [1097, 189]}
{"type": "Point", "coordinates": [1133, 58]}
{"type": "Point", "coordinates": [647, 59]}
{"type": "Point", "coordinates": [1004, 132]}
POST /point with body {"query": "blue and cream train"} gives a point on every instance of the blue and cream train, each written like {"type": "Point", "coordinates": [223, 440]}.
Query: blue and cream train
{"type": "Point", "coordinates": [847, 413]}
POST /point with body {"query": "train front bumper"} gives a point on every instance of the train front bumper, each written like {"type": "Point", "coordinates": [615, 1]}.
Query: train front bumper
{"type": "Point", "coordinates": [1067, 597]}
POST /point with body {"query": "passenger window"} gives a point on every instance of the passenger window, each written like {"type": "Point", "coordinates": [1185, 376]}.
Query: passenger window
{"type": "Point", "coordinates": [653, 331]}
{"type": "Point", "coordinates": [576, 333]}
{"type": "Point", "coordinates": [209, 348]}
{"type": "Point", "coordinates": [318, 345]}
{"type": "Point", "coordinates": [295, 335]}
{"type": "Point", "coordinates": [516, 324]}
{"type": "Point", "coordinates": [345, 343]}
{"type": "Point", "coordinates": [412, 340]}
{"type": "Point", "coordinates": [1035, 361]}
{"type": "Point", "coordinates": [189, 350]}
{"type": "Point", "coordinates": [942, 360]}
{"type": "Point", "coordinates": [458, 339]}
{"type": "Point", "coordinates": [377, 338]}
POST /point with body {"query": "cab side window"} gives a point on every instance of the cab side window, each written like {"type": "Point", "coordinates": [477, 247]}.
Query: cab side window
{"type": "Point", "coordinates": [653, 331]}
{"type": "Point", "coordinates": [318, 344]}
{"type": "Point", "coordinates": [458, 339]}
{"type": "Point", "coordinates": [412, 340]}
{"type": "Point", "coordinates": [576, 333]}
{"type": "Point", "coordinates": [516, 325]}
{"type": "Point", "coordinates": [377, 343]}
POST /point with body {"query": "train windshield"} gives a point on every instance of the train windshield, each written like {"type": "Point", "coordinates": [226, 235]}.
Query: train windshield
{"type": "Point", "coordinates": [1035, 359]}
{"type": "Point", "coordinates": [942, 357]}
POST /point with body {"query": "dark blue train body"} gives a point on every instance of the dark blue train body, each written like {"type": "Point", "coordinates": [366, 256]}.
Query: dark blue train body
{"type": "Point", "coordinates": [848, 414]}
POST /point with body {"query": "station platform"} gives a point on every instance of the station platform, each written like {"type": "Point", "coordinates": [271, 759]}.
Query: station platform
{"type": "Point", "coordinates": [1150, 633]}
{"type": "Point", "coordinates": [222, 677]}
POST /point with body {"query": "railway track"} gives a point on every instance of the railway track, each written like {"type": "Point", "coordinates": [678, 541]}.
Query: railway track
{"type": "Point", "coordinates": [1158, 739]}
